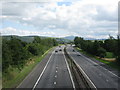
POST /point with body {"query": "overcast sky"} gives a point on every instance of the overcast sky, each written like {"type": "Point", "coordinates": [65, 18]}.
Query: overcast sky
{"type": "Point", "coordinates": [85, 18]}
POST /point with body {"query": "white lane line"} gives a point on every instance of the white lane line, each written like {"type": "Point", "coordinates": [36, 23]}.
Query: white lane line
{"type": "Point", "coordinates": [69, 72]}
{"type": "Point", "coordinates": [25, 78]}
{"type": "Point", "coordinates": [56, 67]}
{"type": "Point", "coordinates": [107, 80]}
{"type": "Point", "coordinates": [42, 72]}
{"type": "Point", "coordinates": [56, 71]}
{"type": "Point", "coordinates": [55, 83]}
{"type": "Point", "coordinates": [55, 76]}
{"type": "Point", "coordinates": [84, 73]}
{"type": "Point", "coordinates": [99, 65]}
{"type": "Point", "coordinates": [113, 74]}
{"type": "Point", "coordinates": [100, 74]}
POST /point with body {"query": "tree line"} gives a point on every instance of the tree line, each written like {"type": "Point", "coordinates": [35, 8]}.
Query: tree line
{"type": "Point", "coordinates": [99, 48]}
{"type": "Point", "coordinates": [16, 53]}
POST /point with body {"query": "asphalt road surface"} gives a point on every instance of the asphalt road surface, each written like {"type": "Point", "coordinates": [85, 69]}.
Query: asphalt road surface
{"type": "Point", "coordinates": [51, 72]}
{"type": "Point", "coordinates": [100, 76]}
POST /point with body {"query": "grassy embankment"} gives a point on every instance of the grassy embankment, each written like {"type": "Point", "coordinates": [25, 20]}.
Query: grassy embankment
{"type": "Point", "coordinates": [109, 59]}
{"type": "Point", "coordinates": [15, 76]}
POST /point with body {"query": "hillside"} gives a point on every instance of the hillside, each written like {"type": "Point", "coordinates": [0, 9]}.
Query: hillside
{"type": "Point", "coordinates": [29, 39]}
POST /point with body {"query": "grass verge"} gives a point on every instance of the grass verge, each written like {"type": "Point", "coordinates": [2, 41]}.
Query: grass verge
{"type": "Point", "coordinates": [109, 55]}
{"type": "Point", "coordinates": [15, 76]}
{"type": "Point", "coordinates": [114, 64]}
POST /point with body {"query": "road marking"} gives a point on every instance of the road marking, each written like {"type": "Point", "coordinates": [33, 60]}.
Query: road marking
{"type": "Point", "coordinates": [100, 74]}
{"type": "Point", "coordinates": [113, 74]}
{"type": "Point", "coordinates": [42, 72]}
{"type": "Point", "coordinates": [99, 65]}
{"type": "Point", "coordinates": [107, 80]}
{"type": "Point", "coordinates": [55, 83]}
{"type": "Point", "coordinates": [28, 75]}
{"type": "Point", "coordinates": [69, 71]}
{"type": "Point", "coordinates": [84, 73]}
{"type": "Point", "coordinates": [56, 71]}
{"type": "Point", "coordinates": [86, 76]}
{"type": "Point", "coordinates": [56, 67]}
{"type": "Point", "coordinates": [55, 76]}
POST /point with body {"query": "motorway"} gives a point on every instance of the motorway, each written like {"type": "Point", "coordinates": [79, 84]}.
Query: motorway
{"type": "Point", "coordinates": [54, 74]}
{"type": "Point", "coordinates": [99, 75]}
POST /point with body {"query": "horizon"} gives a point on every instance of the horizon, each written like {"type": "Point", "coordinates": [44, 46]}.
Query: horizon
{"type": "Point", "coordinates": [66, 37]}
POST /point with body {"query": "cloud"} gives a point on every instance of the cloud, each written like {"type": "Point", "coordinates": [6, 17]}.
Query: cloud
{"type": "Point", "coordinates": [31, 0]}
{"type": "Point", "coordinates": [14, 31]}
{"type": "Point", "coordinates": [83, 18]}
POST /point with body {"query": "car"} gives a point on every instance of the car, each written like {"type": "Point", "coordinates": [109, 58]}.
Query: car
{"type": "Point", "coordinates": [73, 50]}
{"type": "Point", "coordinates": [60, 50]}
{"type": "Point", "coordinates": [78, 55]}
{"type": "Point", "coordinates": [56, 51]}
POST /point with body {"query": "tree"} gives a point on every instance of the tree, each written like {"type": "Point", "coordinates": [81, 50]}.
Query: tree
{"type": "Point", "coordinates": [110, 45]}
{"type": "Point", "coordinates": [101, 52]}
{"type": "Point", "coordinates": [55, 42]}
{"type": "Point", "coordinates": [17, 52]}
{"type": "Point", "coordinates": [32, 48]}
{"type": "Point", "coordinates": [118, 49]}
{"type": "Point", "coordinates": [78, 41]}
{"type": "Point", "coordinates": [37, 39]}
{"type": "Point", "coordinates": [6, 55]}
{"type": "Point", "coordinates": [96, 45]}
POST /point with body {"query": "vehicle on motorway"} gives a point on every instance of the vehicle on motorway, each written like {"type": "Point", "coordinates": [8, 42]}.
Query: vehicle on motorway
{"type": "Point", "coordinates": [56, 51]}
{"type": "Point", "coordinates": [60, 50]}
{"type": "Point", "coordinates": [78, 55]}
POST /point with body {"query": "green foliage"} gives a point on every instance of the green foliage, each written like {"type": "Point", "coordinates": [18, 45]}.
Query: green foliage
{"type": "Point", "coordinates": [78, 41]}
{"type": "Point", "coordinates": [6, 55]}
{"type": "Point", "coordinates": [101, 52]}
{"type": "Point", "coordinates": [96, 47]}
{"type": "Point", "coordinates": [110, 55]}
{"type": "Point", "coordinates": [37, 40]}
{"type": "Point", "coordinates": [32, 48]}
{"type": "Point", "coordinates": [110, 45]}
{"type": "Point", "coordinates": [15, 52]}
{"type": "Point", "coordinates": [118, 50]}
{"type": "Point", "coordinates": [99, 48]}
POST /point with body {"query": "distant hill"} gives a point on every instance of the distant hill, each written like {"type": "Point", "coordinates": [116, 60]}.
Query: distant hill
{"type": "Point", "coordinates": [62, 40]}
{"type": "Point", "coordinates": [93, 39]}
{"type": "Point", "coordinates": [29, 39]}
{"type": "Point", "coordinates": [89, 38]}
{"type": "Point", "coordinates": [23, 38]}
{"type": "Point", "coordinates": [70, 37]}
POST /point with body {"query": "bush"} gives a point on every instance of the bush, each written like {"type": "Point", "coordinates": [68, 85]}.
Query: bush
{"type": "Point", "coordinates": [101, 52]}
{"type": "Point", "coordinates": [15, 52]}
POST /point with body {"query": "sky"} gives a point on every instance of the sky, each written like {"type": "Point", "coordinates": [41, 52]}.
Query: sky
{"type": "Point", "coordinates": [59, 18]}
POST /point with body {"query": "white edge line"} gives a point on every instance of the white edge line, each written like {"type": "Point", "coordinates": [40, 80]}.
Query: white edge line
{"type": "Point", "coordinates": [42, 72]}
{"type": "Point", "coordinates": [84, 73]}
{"type": "Point", "coordinates": [28, 74]}
{"type": "Point", "coordinates": [99, 65]}
{"type": "Point", "coordinates": [69, 72]}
